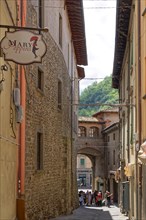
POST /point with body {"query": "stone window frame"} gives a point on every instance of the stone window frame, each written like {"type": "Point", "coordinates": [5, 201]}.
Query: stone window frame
{"type": "Point", "coordinates": [40, 163]}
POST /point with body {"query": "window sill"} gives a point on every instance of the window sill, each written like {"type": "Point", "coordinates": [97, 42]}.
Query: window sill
{"type": "Point", "coordinates": [40, 91]}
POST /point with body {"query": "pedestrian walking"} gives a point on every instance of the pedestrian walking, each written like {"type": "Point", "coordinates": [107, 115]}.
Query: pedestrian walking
{"type": "Point", "coordinates": [81, 199]}
{"type": "Point", "coordinates": [89, 198]}
{"type": "Point", "coordinates": [99, 198]}
{"type": "Point", "coordinates": [108, 195]}
{"type": "Point", "coordinates": [105, 198]}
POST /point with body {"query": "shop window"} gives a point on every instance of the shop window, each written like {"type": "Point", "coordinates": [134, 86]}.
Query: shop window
{"type": "Point", "coordinates": [82, 178]}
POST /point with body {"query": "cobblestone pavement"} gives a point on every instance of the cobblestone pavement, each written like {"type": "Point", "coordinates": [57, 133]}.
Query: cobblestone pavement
{"type": "Point", "coordinates": [95, 213]}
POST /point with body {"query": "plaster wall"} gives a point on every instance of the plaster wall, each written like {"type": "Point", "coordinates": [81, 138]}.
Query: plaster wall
{"type": "Point", "coordinates": [143, 67]}
{"type": "Point", "coordinates": [87, 164]}
{"type": "Point", "coordinates": [85, 169]}
{"type": "Point", "coordinates": [143, 91]}
{"type": "Point", "coordinates": [8, 127]}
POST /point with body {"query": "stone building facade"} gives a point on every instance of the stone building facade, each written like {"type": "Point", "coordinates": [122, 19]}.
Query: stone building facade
{"type": "Point", "coordinates": [112, 159]}
{"type": "Point", "coordinates": [91, 143]}
{"type": "Point", "coordinates": [51, 116]}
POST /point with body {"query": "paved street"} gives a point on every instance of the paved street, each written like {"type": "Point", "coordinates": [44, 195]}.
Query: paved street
{"type": "Point", "coordinates": [95, 213]}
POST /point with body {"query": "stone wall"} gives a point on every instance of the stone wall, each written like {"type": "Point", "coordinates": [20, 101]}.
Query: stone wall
{"type": "Point", "coordinates": [48, 192]}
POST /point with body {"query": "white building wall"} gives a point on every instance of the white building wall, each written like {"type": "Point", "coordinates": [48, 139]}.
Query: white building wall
{"type": "Point", "coordinates": [51, 21]}
{"type": "Point", "coordinates": [52, 9]}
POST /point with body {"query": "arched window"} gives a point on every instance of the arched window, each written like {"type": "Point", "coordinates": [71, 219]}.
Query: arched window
{"type": "Point", "coordinates": [93, 132]}
{"type": "Point", "coordinates": [82, 131]}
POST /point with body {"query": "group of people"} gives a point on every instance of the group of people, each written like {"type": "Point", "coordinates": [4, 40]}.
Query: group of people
{"type": "Point", "coordinates": [95, 198]}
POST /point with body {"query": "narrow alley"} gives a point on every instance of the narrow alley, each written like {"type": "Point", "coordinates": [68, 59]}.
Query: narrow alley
{"type": "Point", "coordinates": [95, 213]}
{"type": "Point", "coordinates": [72, 109]}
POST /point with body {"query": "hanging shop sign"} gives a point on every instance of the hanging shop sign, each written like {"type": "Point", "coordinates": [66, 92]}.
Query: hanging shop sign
{"type": "Point", "coordinates": [23, 47]}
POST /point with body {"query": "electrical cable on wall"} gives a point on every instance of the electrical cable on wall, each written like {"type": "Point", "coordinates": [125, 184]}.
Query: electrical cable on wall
{"type": "Point", "coordinates": [94, 7]}
{"type": "Point", "coordinates": [11, 103]}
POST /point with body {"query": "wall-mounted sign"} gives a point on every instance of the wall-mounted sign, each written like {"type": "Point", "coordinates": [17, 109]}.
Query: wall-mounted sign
{"type": "Point", "coordinates": [23, 47]}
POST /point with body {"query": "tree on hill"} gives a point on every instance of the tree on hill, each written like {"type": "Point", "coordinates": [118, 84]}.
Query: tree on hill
{"type": "Point", "coordinates": [98, 92]}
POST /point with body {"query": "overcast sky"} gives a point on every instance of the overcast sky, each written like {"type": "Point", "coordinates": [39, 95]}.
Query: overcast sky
{"type": "Point", "coordinates": [99, 18]}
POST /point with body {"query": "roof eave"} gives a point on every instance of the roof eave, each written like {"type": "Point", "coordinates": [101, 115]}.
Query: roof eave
{"type": "Point", "coordinates": [122, 26]}
{"type": "Point", "coordinates": [76, 19]}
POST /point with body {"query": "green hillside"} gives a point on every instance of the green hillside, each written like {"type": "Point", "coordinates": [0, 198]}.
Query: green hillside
{"type": "Point", "coordinates": [98, 92]}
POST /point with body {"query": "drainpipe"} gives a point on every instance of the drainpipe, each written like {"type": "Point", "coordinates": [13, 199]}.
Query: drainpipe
{"type": "Point", "coordinates": [23, 98]}
{"type": "Point", "coordinates": [72, 144]}
{"type": "Point", "coordinates": [128, 108]}
{"type": "Point", "coordinates": [139, 190]}
{"type": "Point", "coordinates": [21, 153]}
{"type": "Point", "coordinates": [21, 159]}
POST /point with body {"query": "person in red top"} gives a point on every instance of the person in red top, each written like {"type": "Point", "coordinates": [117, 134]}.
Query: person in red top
{"type": "Point", "coordinates": [99, 198]}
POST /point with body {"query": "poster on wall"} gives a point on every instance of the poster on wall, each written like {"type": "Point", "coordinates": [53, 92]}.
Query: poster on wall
{"type": "Point", "coordinates": [23, 47]}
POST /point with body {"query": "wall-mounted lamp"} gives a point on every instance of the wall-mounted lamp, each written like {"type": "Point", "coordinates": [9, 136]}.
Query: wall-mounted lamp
{"type": "Point", "coordinates": [142, 156]}
{"type": "Point", "coordinates": [144, 97]}
{"type": "Point", "coordinates": [4, 67]}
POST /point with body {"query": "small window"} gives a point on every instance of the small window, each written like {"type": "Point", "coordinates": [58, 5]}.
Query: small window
{"type": "Point", "coordinates": [75, 123]}
{"type": "Point", "coordinates": [105, 138]}
{"type": "Point", "coordinates": [82, 161]}
{"type": "Point", "coordinates": [39, 151]}
{"type": "Point", "coordinates": [114, 157]}
{"type": "Point", "coordinates": [59, 94]}
{"type": "Point", "coordinates": [108, 139]}
{"type": "Point", "coordinates": [93, 132]}
{"type": "Point", "coordinates": [40, 79]}
{"type": "Point", "coordinates": [60, 30]}
{"type": "Point", "coordinates": [82, 131]}
{"type": "Point", "coordinates": [41, 13]}
{"type": "Point", "coordinates": [114, 136]}
{"type": "Point", "coordinates": [68, 57]}
{"type": "Point", "coordinates": [108, 158]}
